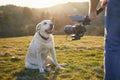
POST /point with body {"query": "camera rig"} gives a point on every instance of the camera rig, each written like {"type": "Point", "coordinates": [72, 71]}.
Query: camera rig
{"type": "Point", "coordinates": [78, 30]}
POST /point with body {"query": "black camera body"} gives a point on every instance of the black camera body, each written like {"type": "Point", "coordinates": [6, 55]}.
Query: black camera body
{"type": "Point", "coordinates": [77, 31]}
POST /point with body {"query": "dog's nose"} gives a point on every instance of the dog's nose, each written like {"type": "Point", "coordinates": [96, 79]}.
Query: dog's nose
{"type": "Point", "coordinates": [51, 26]}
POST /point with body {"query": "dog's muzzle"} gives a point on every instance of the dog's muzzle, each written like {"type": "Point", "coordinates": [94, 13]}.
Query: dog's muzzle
{"type": "Point", "coordinates": [50, 30]}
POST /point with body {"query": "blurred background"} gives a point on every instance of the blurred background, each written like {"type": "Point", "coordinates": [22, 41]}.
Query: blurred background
{"type": "Point", "coordinates": [20, 17]}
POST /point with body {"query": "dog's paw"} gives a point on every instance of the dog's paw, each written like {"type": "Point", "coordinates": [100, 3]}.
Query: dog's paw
{"type": "Point", "coordinates": [41, 70]}
{"type": "Point", "coordinates": [59, 67]}
{"type": "Point", "coordinates": [63, 64]}
{"type": "Point", "coordinates": [47, 70]}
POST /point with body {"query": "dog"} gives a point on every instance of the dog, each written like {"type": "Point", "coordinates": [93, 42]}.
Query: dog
{"type": "Point", "coordinates": [41, 45]}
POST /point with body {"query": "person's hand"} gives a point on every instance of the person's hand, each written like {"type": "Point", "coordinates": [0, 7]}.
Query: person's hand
{"type": "Point", "coordinates": [92, 15]}
{"type": "Point", "coordinates": [104, 3]}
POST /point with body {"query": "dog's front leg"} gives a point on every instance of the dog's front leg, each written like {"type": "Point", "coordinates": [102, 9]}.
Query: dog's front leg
{"type": "Point", "coordinates": [53, 54]}
{"type": "Point", "coordinates": [40, 63]}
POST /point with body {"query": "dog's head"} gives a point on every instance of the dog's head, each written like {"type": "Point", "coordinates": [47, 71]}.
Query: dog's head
{"type": "Point", "coordinates": [46, 26]}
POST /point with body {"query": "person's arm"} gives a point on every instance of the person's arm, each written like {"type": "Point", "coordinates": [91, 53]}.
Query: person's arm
{"type": "Point", "coordinates": [92, 9]}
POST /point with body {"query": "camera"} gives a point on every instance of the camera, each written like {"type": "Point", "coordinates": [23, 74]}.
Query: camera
{"type": "Point", "coordinates": [77, 31]}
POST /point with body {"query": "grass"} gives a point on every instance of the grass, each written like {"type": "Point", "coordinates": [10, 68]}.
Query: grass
{"type": "Point", "coordinates": [84, 58]}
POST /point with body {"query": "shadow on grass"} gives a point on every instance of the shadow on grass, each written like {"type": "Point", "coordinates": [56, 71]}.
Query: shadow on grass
{"type": "Point", "coordinates": [29, 74]}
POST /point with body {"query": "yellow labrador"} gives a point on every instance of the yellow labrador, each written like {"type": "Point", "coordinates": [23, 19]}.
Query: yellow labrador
{"type": "Point", "coordinates": [41, 45]}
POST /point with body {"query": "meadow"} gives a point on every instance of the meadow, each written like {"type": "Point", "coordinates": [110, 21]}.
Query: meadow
{"type": "Point", "coordinates": [84, 59]}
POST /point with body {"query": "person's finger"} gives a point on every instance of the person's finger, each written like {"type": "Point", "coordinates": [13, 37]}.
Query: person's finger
{"type": "Point", "coordinates": [104, 3]}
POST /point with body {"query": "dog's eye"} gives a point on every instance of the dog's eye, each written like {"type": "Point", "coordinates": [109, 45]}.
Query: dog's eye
{"type": "Point", "coordinates": [45, 23]}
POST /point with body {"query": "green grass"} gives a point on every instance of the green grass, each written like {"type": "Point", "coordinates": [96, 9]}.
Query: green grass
{"type": "Point", "coordinates": [84, 58]}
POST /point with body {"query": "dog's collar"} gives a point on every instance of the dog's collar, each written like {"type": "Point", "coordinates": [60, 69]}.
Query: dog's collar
{"type": "Point", "coordinates": [45, 38]}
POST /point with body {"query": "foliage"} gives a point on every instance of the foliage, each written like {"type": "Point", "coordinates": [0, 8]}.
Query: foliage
{"type": "Point", "coordinates": [84, 58]}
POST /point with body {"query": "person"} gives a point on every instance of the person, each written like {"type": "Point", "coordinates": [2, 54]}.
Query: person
{"type": "Point", "coordinates": [112, 36]}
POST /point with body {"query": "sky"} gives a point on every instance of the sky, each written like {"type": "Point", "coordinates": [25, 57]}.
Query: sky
{"type": "Point", "coordinates": [37, 3]}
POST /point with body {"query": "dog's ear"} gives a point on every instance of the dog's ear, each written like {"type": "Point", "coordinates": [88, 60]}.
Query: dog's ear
{"type": "Point", "coordinates": [38, 26]}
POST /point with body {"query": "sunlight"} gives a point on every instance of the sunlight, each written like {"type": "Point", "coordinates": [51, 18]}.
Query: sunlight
{"type": "Point", "coordinates": [46, 3]}
{"type": "Point", "coordinates": [37, 3]}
